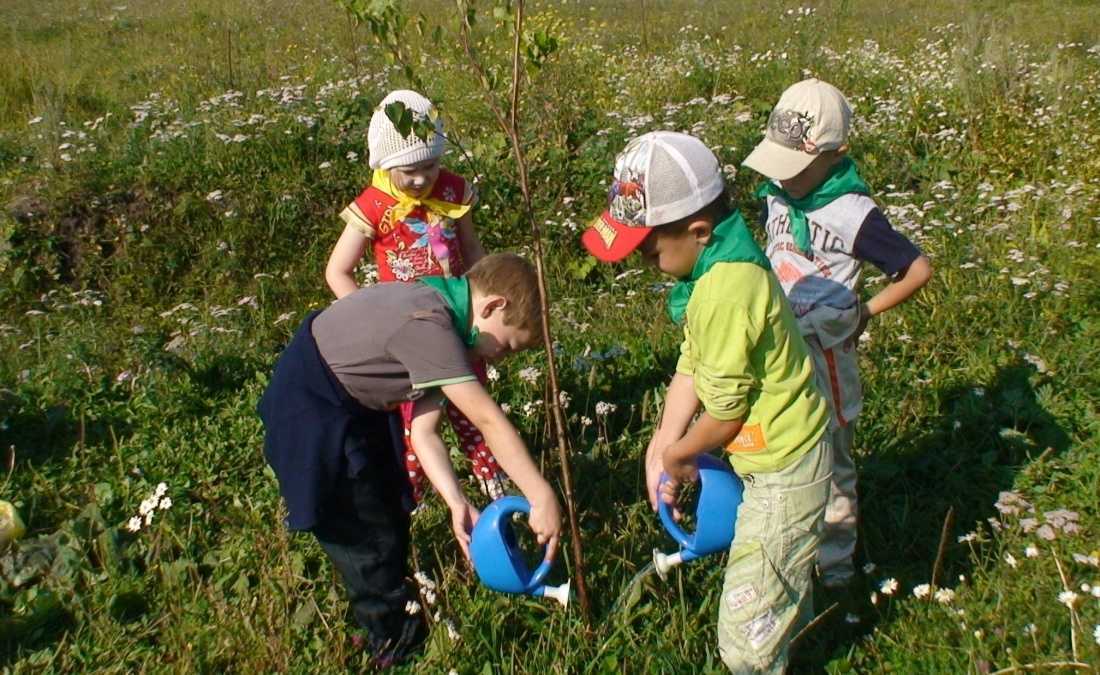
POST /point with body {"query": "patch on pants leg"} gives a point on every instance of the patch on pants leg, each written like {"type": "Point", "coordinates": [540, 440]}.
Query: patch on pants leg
{"type": "Point", "coordinates": [760, 629]}
{"type": "Point", "coordinates": [739, 597]}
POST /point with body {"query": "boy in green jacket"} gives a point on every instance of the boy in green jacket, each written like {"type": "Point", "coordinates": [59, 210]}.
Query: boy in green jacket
{"type": "Point", "coordinates": [744, 361]}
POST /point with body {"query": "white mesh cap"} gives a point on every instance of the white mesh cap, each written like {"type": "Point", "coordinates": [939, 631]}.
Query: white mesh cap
{"type": "Point", "coordinates": [388, 149]}
{"type": "Point", "coordinates": [661, 177]}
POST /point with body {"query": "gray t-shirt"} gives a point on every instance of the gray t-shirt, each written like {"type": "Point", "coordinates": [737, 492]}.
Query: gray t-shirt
{"type": "Point", "coordinates": [388, 343]}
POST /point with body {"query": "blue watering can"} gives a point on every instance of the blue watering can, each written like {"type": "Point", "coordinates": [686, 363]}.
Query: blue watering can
{"type": "Point", "coordinates": [497, 559]}
{"type": "Point", "coordinates": [715, 516]}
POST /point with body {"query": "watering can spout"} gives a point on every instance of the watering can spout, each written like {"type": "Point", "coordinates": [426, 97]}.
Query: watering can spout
{"type": "Point", "coordinates": [559, 593]}
{"type": "Point", "coordinates": [663, 562]}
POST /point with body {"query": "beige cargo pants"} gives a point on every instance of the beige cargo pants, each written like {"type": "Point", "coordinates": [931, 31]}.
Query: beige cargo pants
{"type": "Point", "coordinates": [767, 594]}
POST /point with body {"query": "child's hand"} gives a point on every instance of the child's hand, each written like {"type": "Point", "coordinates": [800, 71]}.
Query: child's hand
{"type": "Point", "coordinates": [680, 470]}
{"type": "Point", "coordinates": [545, 522]}
{"type": "Point", "coordinates": [463, 518]}
{"type": "Point", "coordinates": [654, 465]}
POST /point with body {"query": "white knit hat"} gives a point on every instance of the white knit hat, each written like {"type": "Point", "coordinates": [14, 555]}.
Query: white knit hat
{"type": "Point", "coordinates": [388, 148]}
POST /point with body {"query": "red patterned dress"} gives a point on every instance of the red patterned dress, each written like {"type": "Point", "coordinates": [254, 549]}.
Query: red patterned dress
{"type": "Point", "coordinates": [411, 238]}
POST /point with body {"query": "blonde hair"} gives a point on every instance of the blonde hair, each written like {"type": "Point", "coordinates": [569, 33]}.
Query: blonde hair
{"type": "Point", "coordinates": [512, 277]}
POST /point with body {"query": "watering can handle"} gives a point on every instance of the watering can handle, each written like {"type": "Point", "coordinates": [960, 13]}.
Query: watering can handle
{"type": "Point", "coordinates": [522, 505]}
{"type": "Point", "coordinates": [677, 532]}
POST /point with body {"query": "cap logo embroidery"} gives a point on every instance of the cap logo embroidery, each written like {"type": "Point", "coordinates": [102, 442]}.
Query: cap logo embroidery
{"type": "Point", "coordinates": [791, 128]}
{"type": "Point", "coordinates": [606, 232]}
{"type": "Point", "coordinates": [626, 201]}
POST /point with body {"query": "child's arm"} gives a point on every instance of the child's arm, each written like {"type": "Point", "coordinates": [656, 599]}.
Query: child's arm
{"type": "Point", "coordinates": [436, 463]}
{"type": "Point", "coordinates": [911, 280]}
{"type": "Point", "coordinates": [345, 257]}
{"type": "Point", "coordinates": [679, 458]}
{"type": "Point", "coordinates": [482, 411]}
{"type": "Point", "coordinates": [468, 241]}
{"type": "Point", "coordinates": [680, 406]}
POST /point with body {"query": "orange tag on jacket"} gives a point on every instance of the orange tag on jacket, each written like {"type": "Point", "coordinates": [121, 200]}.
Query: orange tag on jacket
{"type": "Point", "coordinates": [749, 439]}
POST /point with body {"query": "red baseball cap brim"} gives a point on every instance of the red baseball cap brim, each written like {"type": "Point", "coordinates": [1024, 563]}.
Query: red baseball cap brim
{"type": "Point", "coordinates": [611, 241]}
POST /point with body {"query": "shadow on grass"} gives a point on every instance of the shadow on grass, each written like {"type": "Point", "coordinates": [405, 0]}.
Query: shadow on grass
{"type": "Point", "coordinates": [961, 459]}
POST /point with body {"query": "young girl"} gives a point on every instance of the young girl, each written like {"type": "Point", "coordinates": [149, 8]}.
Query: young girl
{"type": "Point", "coordinates": [416, 217]}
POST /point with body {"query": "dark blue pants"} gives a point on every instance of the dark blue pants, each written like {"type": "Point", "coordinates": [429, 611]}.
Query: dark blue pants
{"type": "Point", "coordinates": [365, 532]}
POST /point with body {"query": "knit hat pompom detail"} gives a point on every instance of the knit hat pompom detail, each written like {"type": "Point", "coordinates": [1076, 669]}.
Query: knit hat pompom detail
{"type": "Point", "coordinates": [388, 148]}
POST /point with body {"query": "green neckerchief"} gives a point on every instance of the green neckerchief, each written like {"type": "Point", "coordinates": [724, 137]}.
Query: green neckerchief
{"type": "Point", "coordinates": [843, 179]}
{"type": "Point", "coordinates": [730, 242]}
{"type": "Point", "coordinates": [456, 293]}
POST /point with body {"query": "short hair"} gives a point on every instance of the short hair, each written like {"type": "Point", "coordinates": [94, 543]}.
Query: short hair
{"type": "Point", "coordinates": [514, 278]}
{"type": "Point", "coordinates": [716, 211]}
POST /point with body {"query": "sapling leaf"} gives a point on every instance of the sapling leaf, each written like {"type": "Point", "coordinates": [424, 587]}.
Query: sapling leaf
{"type": "Point", "coordinates": [400, 116]}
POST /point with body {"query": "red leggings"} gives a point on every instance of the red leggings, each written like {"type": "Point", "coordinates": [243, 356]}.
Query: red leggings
{"type": "Point", "coordinates": [482, 462]}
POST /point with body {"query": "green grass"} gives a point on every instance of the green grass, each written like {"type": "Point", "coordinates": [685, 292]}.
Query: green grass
{"type": "Point", "coordinates": [153, 264]}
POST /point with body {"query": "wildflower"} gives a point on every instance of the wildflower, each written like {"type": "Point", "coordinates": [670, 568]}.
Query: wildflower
{"type": "Point", "coordinates": [214, 196]}
{"type": "Point", "coordinates": [1011, 503]}
{"type": "Point", "coordinates": [34, 120]}
{"type": "Point", "coordinates": [978, 634]}
{"type": "Point", "coordinates": [1032, 551]}
{"type": "Point", "coordinates": [1031, 629]}
{"type": "Point", "coordinates": [944, 596]}
{"type": "Point", "coordinates": [160, 490]}
{"type": "Point", "coordinates": [920, 592]}
{"type": "Point", "coordinates": [134, 524]}
{"type": "Point", "coordinates": [1045, 532]}
{"type": "Point", "coordinates": [1092, 560]}
{"type": "Point", "coordinates": [165, 503]}
{"type": "Point", "coordinates": [1040, 364]}
{"type": "Point", "coordinates": [124, 376]}
{"type": "Point", "coordinates": [322, 166]}
{"type": "Point", "coordinates": [412, 607]}
{"type": "Point", "coordinates": [1067, 598]}
{"type": "Point", "coordinates": [874, 598]}
{"type": "Point", "coordinates": [586, 421]}
{"type": "Point", "coordinates": [603, 408]}
{"type": "Point", "coordinates": [1028, 524]}
{"type": "Point", "coordinates": [352, 155]}
{"type": "Point", "coordinates": [530, 374]}
{"type": "Point", "coordinates": [148, 505]}
{"type": "Point", "coordinates": [968, 537]}
{"type": "Point", "coordinates": [492, 374]}
{"type": "Point", "coordinates": [564, 399]}
{"type": "Point", "coordinates": [505, 408]}
{"type": "Point", "coordinates": [1095, 591]}
{"type": "Point", "coordinates": [889, 586]}
{"type": "Point", "coordinates": [1011, 560]}
{"type": "Point", "coordinates": [452, 632]}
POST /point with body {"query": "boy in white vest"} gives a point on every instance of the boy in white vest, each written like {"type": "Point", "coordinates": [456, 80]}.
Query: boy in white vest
{"type": "Point", "coordinates": [822, 225]}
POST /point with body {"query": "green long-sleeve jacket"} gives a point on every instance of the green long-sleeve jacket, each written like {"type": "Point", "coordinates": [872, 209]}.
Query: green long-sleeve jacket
{"type": "Point", "coordinates": [743, 349]}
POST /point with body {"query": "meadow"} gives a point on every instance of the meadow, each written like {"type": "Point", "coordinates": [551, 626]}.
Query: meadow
{"type": "Point", "coordinates": [170, 177]}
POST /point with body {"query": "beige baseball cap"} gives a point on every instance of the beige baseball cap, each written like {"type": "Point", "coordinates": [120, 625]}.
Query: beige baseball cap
{"type": "Point", "coordinates": [811, 116]}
